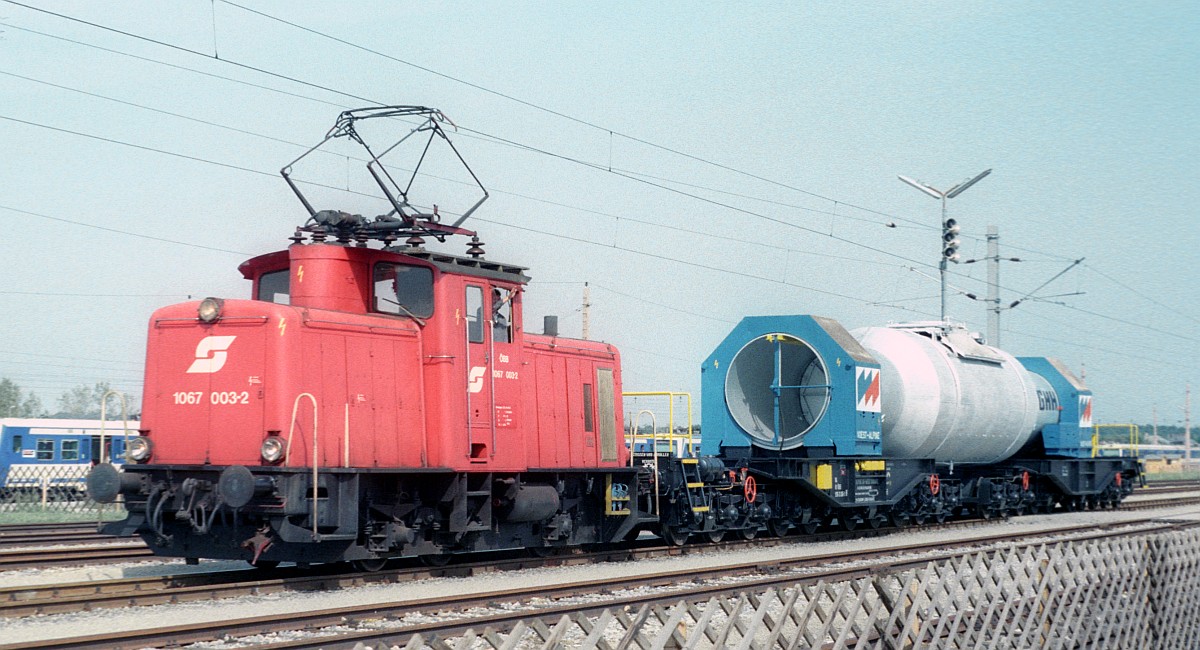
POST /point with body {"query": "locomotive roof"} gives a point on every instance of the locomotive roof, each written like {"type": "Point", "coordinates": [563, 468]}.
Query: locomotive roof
{"type": "Point", "coordinates": [467, 265]}
{"type": "Point", "coordinates": [444, 262]}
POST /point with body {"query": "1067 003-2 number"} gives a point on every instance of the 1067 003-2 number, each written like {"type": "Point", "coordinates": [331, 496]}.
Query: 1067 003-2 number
{"type": "Point", "coordinates": [215, 397]}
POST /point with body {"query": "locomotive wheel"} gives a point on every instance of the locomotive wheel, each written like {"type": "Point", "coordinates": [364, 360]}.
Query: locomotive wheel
{"type": "Point", "coordinates": [265, 565]}
{"type": "Point", "coordinates": [748, 533]}
{"type": "Point", "coordinates": [369, 566]}
{"type": "Point", "coordinates": [899, 518]}
{"type": "Point", "coordinates": [436, 560]}
{"type": "Point", "coordinates": [715, 536]}
{"type": "Point", "coordinates": [920, 518]}
{"type": "Point", "coordinates": [940, 517]}
{"type": "Point", "coordinates": [809, 527]}
{"type": "Point", "coordinates": [673, 536]}
{"type": "Point", "coordinates": [778, 527]}
{"type": "Point", "coordinates": [543, 551]}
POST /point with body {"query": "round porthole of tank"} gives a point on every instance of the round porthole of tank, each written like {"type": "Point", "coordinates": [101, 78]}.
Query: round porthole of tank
{"type": "Point", "coordinates": [803, 395]}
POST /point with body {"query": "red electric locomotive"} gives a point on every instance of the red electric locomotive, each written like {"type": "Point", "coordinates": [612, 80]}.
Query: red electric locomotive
{"type": "Point", "coordinates": [369, 403]}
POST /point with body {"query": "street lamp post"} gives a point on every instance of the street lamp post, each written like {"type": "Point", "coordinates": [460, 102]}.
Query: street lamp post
{"type": "Point", "coordinates": [949, 226]}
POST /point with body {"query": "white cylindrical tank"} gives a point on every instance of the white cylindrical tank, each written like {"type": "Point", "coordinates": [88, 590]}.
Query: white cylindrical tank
{"type": "Point", "coordinates": [946, 396]}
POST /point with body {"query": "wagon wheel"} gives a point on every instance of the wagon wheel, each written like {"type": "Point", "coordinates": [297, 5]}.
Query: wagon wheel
{"type": "Point", "coordinates": [265, 565]}
{"type": "Point", "coordinates": [543, 551]}
{"type": "Point", "coordinates": [809, 527]}
{"type": "Point", "coordinates": [748, 533]}
{"type": "Point", "coordinates": [778, 527]}
{"type": "Point", "coordinates": [369, 565]}
{"type": "Point", "coordinates": [849, 521]}
{"type": "Point", "coordinates": [715, 536]}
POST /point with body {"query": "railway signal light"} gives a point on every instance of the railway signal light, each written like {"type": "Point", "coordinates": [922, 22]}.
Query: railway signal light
{"type": "Point", "coordinates": [950, 241]}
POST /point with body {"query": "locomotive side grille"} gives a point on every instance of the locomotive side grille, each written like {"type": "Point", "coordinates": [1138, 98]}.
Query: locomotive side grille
{"type": "Point", "coordinates": [608, 433]}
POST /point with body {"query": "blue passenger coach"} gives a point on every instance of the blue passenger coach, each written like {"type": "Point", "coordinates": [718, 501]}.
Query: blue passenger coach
{"type": "Point", "coordinates": [37, 453]}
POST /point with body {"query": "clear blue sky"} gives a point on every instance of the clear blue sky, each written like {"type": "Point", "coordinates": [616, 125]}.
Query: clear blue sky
{"type": "Point", "coordinates": [1086, 112]}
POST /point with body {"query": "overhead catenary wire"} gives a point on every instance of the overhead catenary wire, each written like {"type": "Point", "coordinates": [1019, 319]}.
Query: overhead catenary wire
{"type": "Point", "coordinates": [295, 80]}
{"type": "Point", "coordinates": [495, 190]}
{"type": "Point", "coordinates": [479, 133]}
{"type": "Point", "coordinates": [681, 261]}
{"type": "Point", "coordinates": [292, 79]}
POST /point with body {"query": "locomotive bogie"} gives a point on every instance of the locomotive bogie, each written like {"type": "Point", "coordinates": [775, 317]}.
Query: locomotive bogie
{"type": "Point", "coordinates": [367, 514]}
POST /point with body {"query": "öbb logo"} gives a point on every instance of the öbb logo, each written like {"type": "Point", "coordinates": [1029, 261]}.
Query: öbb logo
{"type": "Point", "coordinates": [475, 379]}
{"type": "Point", "coordinates": [211, 354]}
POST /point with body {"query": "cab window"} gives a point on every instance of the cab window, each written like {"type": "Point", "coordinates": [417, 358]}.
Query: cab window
{"type": "Point", "coordinates": [474, 314]}
{"type": "Point", "coordinates": [404, 290]}
{"type": "Point", "coordinates": [502, 315]}
{"type": "Point", "coordinates": [273, 287]}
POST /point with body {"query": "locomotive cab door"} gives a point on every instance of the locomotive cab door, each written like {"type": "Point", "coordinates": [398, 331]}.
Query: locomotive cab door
{"type": "Point", "coordinates": [479, 381]}
{"type": "Point", "coordinates": [506, 368]}
{"type": "Point", "coordinates": [493, 361]}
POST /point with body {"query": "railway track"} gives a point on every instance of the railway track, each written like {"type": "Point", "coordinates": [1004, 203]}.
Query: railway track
{"type": "Point", "coordinates": [49, 534]}
{"type": "Point", "coordinates": [34, 545]}
{"type": "Point", "coordinates": [118, 551]}
{"type": "Point", "coordinates": [501, 609]}
{"type": "Point", "coordinates": [49, 545]}
{"type": "Point", "coordinates": [196, 587]}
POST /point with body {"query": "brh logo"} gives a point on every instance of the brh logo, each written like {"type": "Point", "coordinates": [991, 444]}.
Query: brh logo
{"type": "Point", "coordinates": [211, 354]}
{"type": "Point", "coordinates": [475, 379]}
{"type": "Point", "coordinates": [868, 390]}
{"type": "Point", "coordinates": [1085, 411]}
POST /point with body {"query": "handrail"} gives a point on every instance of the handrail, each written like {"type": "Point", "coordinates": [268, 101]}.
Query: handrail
{"type": "Point", "coordinates": [104, 456]}
{"type": "Point", "coordinates": [346, 438]}
{"type": "Point", "coordinates": [1135, 437]}
{"type": "Point", "coordinates": [288, 451]}
{"type": "Point", "coordinates": [633, 427]}
{"type": "Point", "coordinates": [671, 436]}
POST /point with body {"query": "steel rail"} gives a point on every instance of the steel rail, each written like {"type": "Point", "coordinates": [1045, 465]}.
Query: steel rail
{"type": "Point", "coordinates": [779, 572]}
{"type": "Point", "coordinates": [120, 551]}
{"type": "Point", "coordinates": [195, 587]}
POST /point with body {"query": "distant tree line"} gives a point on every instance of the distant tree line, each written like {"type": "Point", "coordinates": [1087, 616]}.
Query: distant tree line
{"type": "Point", "coordinates": [1169, 432]}
{"type": "Point", "coordinates": [82, 402]}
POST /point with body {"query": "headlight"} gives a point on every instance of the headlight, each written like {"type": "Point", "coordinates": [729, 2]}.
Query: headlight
{"type": "Point", "coordinates": [209, 309]}
{"type": "Point", "coordinates": [272, 449]}
{"type": "Point", "coordinates": [139, 449]}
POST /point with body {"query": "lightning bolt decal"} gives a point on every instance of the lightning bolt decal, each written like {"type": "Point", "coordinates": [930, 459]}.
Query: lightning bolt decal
{"type": "Point", "coordinates": [300, 274]}
{"type": "Point", "coordinates": [282, 325]}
